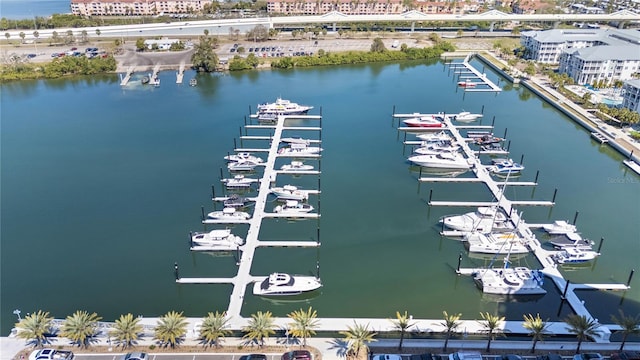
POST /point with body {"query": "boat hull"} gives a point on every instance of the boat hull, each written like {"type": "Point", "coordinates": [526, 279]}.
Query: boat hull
{"type": "Point", "coordinates": [432, 161]}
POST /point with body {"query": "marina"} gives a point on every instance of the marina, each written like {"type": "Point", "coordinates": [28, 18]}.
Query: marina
{"type": "Point", "coordinates": [171, 160]}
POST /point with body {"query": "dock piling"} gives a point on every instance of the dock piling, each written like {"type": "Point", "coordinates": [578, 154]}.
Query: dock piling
{"type": "Point", "coordinates": [566, 288]}
{"type": "Point", "coordinates": [600, 245]}
{"type": "Point", "coordinates": [202, 211]}
{"type": "Point", "coordinates": [575, 217]}
{"type": "Point", "coordinates": [221, 176]}
{"type": "Point", "coordinates": [176, 272]}
{"type": "Point", "coordinates": [508, 145]}
{"type": "Point", "coordinates": [238, 256]}
{"type": "Point", "coordinates": [522, 159]}
{"type": "Point", "coordinates": [555, 192]}
{"type": "Point", "coordinates": [537, 173]}
{"type": "Point", "coordinates": [190, 239]}
{"type": "Point", "coordinates": [459, 262]}
{"type": "Point", "coordinates": [430, 195]}
{"type": "Point", "coordinates": [505, 133]}
{"type": "Point", "coordinates": [493, 120]}
{"type": "Point", "coordinates": [482, 111]}
{"type": "Point", "coordinates": [630, 276]}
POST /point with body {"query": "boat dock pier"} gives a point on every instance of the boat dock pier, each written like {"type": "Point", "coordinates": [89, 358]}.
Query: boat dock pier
{"type": "Point", "coordinates": [549, 267]}
{"type": "Point", "coordinates": [632, 165]}
{"type": "Point", "coordinates": [466, 72]}
{"type": "Point", "coordinates": [180, 74]}
{"type": "Point", "coordinates": [246, 252]}
{"type": "Point", "coordinates": [125, 80]}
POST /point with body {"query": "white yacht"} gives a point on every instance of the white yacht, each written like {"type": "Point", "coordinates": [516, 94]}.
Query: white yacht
{"type": "Point", "coordinates": [561, 241]}
{"type": "Point", "coordinates": [572, 255]}
{"type": "Point", "coordinates": [244, 165]}
{"type": "Point", "coordinates": [293, 207]}
{"type": "Point", "coordinates": [484, 219]}
{"type": "Point", "coordinates": [215, 240]}
{"type": "Point", "coordinates": [441, 161]}
{"type": "Point", "coordinates": [436, 147]}
{"type": "Point", "coordinates": [559, 227]}
{"type": "Point", "coordinates": [296, 166]}
{"type": "Point", "coordinates": [465, 116]}
{"type": "Point", "coordinates": [244, 156]}
{"type": "Point", "coordinates": [290, 192]}
{"type": "Point", "coordinates": [496, 243]}
{"type": "Point", "coordinates": [299, 149]}
{"type": "Point", "coordinates": [283, 107]}
{"type": "Point", "coordinates": [439, 136]}
{"type": "Point", "coordinates": [506, 166]}
{"type": "Point", "coordinates": [282, 284]}
{"type": "Point", "coordinates": [430, 121]}
{"type": "Point", "coordinates": [239, 181]}
{"type": "Point", "coordinates": [228, 213]}
{"type": "Point", "coordinates": [510, 281]}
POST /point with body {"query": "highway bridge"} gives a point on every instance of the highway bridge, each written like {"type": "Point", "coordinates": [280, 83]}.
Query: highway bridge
{"type": "Point", "coordinates": [331, 20]}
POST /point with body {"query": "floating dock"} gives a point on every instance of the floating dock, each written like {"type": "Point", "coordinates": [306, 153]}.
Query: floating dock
{"type": "Point", "coordinates": [466, 72]}
{"type": "Point", "coordinates": [127, 76]}
{"type": "Point", "coordinates": [602, 139]}
{"type": "Point", "coordinates": [632, 165]}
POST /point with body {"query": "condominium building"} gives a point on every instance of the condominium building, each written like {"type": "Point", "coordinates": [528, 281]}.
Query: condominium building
{"type": "Point", "coordinates": [601, 64]}
{"type": "Point", "coordinates": [547, 46]}
{"type": "Point", "coordinates": [631, 95]}
{"type": "Point", "coordinates": [363, 7]}
{"type": "Point", "coordinates": [136, 7]}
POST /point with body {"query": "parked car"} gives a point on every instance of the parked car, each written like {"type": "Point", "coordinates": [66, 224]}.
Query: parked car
{"type": "Point", "coordinates": [588, 356]}
{"type": "Point", "coordinates": [51, 354]}
{"type": "Point", "coordinates": [135, 356]}
{"type": "Point", "coordinates": [31, 56]}
{"type": "Point", "coordinates": [549, 357]}
{"type": "Point", "coordinates": [387, 357]}
{"type": "Point", "coordinates": [626, 355]}
{"type": "Point", "coordinates": [466, 355]}
{"type": "Point", "coordinates": [296, 355]}
{"type": "Point", "coordinates": [254, 357]}
{"type": "Point", "coordinates": [427, 356]}
{"type": "Point", "coordinates": [511, 357]}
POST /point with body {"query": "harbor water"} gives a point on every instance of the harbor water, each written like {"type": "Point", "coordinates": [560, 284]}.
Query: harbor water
{"type": "Point", "coordinates": [102, 184]}
{"type": "Point", "coordinates": [28, 9]}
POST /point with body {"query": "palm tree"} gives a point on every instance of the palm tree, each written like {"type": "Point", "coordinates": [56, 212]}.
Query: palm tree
{"type": "Point", "coordinates": [126, 330]}
{"type": "Point", "coordinates": [304, 324]}
{"type": "Point", "coordinates": [358, 336]}
{"type": "Point", "coordinates": [260, 327]}
{"type": "Point", "coordinates": [22, 36]}
{"type": "Point", "coordinates": [35, 327]}
{"type": "Point", "coordinates": [629, 325]}
{"type": "Point", "coordinates": [213, 328]}
{"type": "Point", "coordinates": [491, 323]}
{"type": "Point", "coordinates": [171, 329]}
{"type": "Point", "coordinates": [451, 323]}
{"type": "Point", "coordinates": [7, 35]}
{"type": "Point", "coordinates": [402, 323]}
{"type": "Point", "coordinates": [583, 327]}
{"type": "Point", "coordinates": [537, 328]}
{"type": "Point", "coordinates": [80, 327]}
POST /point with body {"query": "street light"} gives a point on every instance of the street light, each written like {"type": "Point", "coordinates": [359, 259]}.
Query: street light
{"type": "Point", "coordinates": [17, 313]}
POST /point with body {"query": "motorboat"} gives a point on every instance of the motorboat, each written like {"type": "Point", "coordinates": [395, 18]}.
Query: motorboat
{"type": "Point", "coordinates": [296, 166]}
{"type": "Point", "coordinates": [293, 207]}
{"type": "Point", "coordinates": [559, 227]}
{"type": "Point", "coordinates": [439, 136]}
{"type": "Point", "coordinates": [237, 201]}
{"type": "Point", "coordinates": [292, 140]}
{"type": "Point", "coordinates": [290, 192]}
{"type": "Point", "coordinates": [244, 165]}
{"type": "Point", "coordinates": [484, 219]}
{"type": "Point", "coordinates": [473, 134]}
{"type": "Point", "coordinates": [221, 239]}
{"type": "Point", "coordinates": [228, 213]}
{"type": "Point", "coordinates": [283, 107]}
{"type": "Point", "coordinates": [467, 84]}
{"type": "Point", "coordinates": [442, 161]}
{"type": "Point", "coordinates": [510, 281]}
{"type": "Point", "coordinates": [465, 116]}
{"type": "Point", "coordinates": [295, 149]}
{"type": "Point", "coordinates": [487, 139]}
{"type": "Point", "coordinates": [436, 147]}
{"type": "Point", "coordinates": [267, 118]}
{"type": "Point", "coordinates": [492, 148]}
{"type": "Point", "coordinates": [193, 82]}
{"type": "Point", "coordinates": [496, 243]}
{"type": "Point", "coordinates": [572, 255]}
{"type": "Point", "coordinates": [572, 239]}
{"type": "Point", "coordinates": [424, 121]}
{"type": "Point", "coordinates": [244, 156]}
{"type": "Point", "coordinates": [239, 181]}
{"type": "Point", "coordinates": [282, 284]}
{"type": "Point", "coordinates": [145, 80]}
{"type": "Point", "coordinates": [505, 167]}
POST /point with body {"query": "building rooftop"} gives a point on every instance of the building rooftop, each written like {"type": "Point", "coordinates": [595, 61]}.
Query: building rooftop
{"type": "Point", "coordinates": [607, 36]}
{"type": "Point", "coordinates": [605, 52]}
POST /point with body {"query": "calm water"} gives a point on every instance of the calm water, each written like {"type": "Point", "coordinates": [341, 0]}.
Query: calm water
{"type": "Point", "coordinates": [101, 186]}
{"type": "Point", "coordinates": [26, 9]}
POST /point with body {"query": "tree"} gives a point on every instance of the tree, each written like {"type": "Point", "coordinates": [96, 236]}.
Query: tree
{"type": "Point", "coordinates": [126, 330]}
{"type": "Point", "coordinates": [80, 327]}
{"type": "Point", "coordinates": [537, 328]}
{"type": "Point", "coordinates": [358, 336]}
{"type": "Point", "coordinates": [260, 327]}
{"type": "Point", "coordinates": [98, 32]}
{"type": "Point", "coordinates": [22, 36]}
{"type": "Point", "coordinates": [586, 97]}
{"type": "Point", "coordinates": [171, 329]}
{"type": "Point", "coordinates": [214, 327]}
{"type": "Point", "coordinates": [378, 45]}
{"type": "Point", "coordinates": [204, 58]}
{"type": "Point", "coordinates": [402, 323]}
{"type": "Point", "coordinates": [258, 33]}
{"type": "Point", "coordinates": [35, 327]}
{"type": "Point", "coordinates": [583, 327]}
{"type": "Point", "coordinates": [530, 69]}
{"type": "Point", "coordinates": [140, 45]}
{"type": "Point", "coordinates": [84, 36]}
{"type": "Point", "coordinates": [7, 35]}
{"type": "Point", "coordinates": [36, 34]}
{"type": "Point", "coordinates": [304, 324]}
{"type": "Point", "coordinates": [491, 323]}
{"type": "Point", "coordinates": [451, 323]}
{"type": "Point", "coordinates": [629, 325]}
{"type": "Point", "coordinates": [55, 37]}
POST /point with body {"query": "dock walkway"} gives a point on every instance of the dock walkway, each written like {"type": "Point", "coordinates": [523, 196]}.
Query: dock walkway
{"type": "Point", "coordinates": [466, 72]}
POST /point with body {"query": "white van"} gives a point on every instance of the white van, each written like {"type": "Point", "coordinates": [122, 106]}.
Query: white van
{"type": "Point", "coordinates": [395, 44]}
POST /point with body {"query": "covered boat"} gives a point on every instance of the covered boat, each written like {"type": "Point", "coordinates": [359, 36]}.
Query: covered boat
{"type": "Point", "coordinates": [559, 227]}
{"type": "Point", "coordinates": [441, 161]}
{"type": "Point", "coordinates": [484, 219]}
{"type": "Point", "coordinates": [439, 136]}
{"type": "Point", "coordinates": [572, 255]}
{"type": "Point", "coordinates": [496, 243]}
{"type": "Point", "coordinates": [296, 166]}
{"type": "Point", "coordinates": [290, 192]}
{"type": "Point", "coordinates": [510, 281]}
{"type": "Point", "coordinates": [296, 149]}
{"type": "Point", "coordinates": [283, 107]}
{"type": "Point", "coordinates": [215, 240]}
{"type": "Point", "coordinates": [293, 207]}
{"type": "Point", "coordinates": [282, 284]}
{"type": "Point", "coordinates": [239, 181]}
{"type": "Point", "coordinates": [424, 121]}
{"type": "Point", "coordinates": [506, 166]}
{"type": "Point", "coordinates": [465, 116]}
{"type": "Point", "coordinates": [228, 213]}
{"type": "Point", "coordinates": [244, 156]}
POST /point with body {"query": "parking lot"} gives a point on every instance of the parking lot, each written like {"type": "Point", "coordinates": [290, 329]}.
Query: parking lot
{"type": "Point", "coordinates": [173, 356]}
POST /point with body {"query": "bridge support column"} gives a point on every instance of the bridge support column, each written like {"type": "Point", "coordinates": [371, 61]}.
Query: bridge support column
{"type": "Point", "coordinates": [413, 26]}
{"type": "Point", "coordinates": [555, 24]}
{"type": "Point", "coordinates": [493, 24]}
{"type": "Point", "coordinates": [334, 27]}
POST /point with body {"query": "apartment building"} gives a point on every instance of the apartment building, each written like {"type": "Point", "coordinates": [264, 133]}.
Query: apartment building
{"type": "Point", "coordinates": [136, 7]}
{"type": "Point", "coordinates": [631, 95]}
{"type": "Point", "coordinates": [601, 64]}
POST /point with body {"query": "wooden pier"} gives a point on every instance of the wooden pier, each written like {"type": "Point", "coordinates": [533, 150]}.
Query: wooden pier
{"type": "Point", "coordinates": [127, 76]}
{"type": "Point", "coordinates": [180, 74]}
